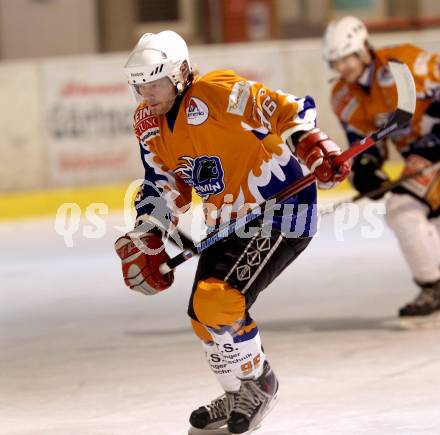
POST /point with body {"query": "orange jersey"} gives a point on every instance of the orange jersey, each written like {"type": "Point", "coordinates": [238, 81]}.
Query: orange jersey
{"type": "Point", "coordinates": [363, 110]}
{"type": "Point", "coordinates": [226, 140]}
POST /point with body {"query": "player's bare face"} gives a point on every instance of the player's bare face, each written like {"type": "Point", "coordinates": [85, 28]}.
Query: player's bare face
{"type": "Point", "coordinates": [350, 67]}
{"type": "Point", "coordinates": [159, 95]}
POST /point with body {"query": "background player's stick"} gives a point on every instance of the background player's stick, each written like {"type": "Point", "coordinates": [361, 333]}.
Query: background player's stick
{"type": "Point", "coordinates": [405, 109]}
{"type": "Point", "coordinates": [384, 188]}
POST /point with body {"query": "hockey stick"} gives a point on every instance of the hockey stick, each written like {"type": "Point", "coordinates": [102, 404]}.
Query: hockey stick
{"type": "Point", "coordinates": [186, 242]}
{"type": "Point", "coordinates": [405, 109]}
{"type": "Point", "coordinates": [384, 188]}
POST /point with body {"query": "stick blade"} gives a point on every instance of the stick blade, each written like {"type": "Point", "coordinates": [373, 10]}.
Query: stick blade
{"type": "Point", "coordinates": [406, 88]}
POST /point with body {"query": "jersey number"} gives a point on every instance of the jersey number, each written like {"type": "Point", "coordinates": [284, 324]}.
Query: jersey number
{"type": "Point", "coordinates": [269, 106]}
{"type": "Point", "coordinates": [247, 367]}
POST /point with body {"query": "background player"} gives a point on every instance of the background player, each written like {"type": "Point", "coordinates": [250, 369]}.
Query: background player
{"type": "Point", "coordinates": [233, 141]}
{"type": "Point", "coordinates": [362, 99]}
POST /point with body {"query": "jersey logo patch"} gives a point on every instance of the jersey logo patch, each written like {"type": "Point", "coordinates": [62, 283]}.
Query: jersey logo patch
{"type": "Point", "coordinates": [204, 173]}
{"type": "Point", "coordinates": [239, 97]}
{"type": "Point", "coordinates": [196, 112]}
{"type": "Point", "coordinates": [146, 126]}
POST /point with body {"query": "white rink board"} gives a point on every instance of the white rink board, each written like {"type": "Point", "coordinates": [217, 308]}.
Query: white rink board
{"type": "Point", "coordinates": [22, 147]}
{"type": "Point", "coordinates": [88, 120]}
{"type": "Point", "coordinates": [50, 138]}
{"type": "Point", "coordinates": [265, 63]}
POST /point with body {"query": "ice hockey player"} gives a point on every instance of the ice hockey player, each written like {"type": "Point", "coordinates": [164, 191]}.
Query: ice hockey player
{"type": "Point", "coordinates": [362, 99]}
{"type": "Point", "coordinates": [235, 142]}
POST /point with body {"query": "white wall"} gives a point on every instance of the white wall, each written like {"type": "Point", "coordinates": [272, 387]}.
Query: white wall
{"type": "Point", "coordinates": [27, 28]}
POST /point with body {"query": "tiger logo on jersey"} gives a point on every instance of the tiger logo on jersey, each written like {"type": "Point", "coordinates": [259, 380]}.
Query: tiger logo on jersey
{"type": "Point", "coordinates": [204, 173]}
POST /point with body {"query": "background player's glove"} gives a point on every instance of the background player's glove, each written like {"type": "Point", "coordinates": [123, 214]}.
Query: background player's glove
{"type": "Point", "coordinates": [367, 175]}
{"type": "Point", "coordinates": [141, 256]}
{"type": "Point", "coordinates": [317, 151]}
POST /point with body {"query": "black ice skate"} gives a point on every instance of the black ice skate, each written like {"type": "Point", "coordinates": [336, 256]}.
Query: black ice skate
{"type": "Point", "coordinates": [255, 399]}
{"type": "Point", "coordinates": [214, 415]}
{"type": "Point", "coordinates": [425, 303]}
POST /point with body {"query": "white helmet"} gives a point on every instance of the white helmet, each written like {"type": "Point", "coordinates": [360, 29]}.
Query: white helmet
{"type": "Point", "coordinates": [164, 54]}
{"type": "Point", "coordinates": [344, 37]}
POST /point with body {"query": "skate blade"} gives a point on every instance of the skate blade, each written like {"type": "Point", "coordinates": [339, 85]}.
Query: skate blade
{"type": "Point", "coordinates": [409, 323]}
{"type": "Point", "coordinates": [430, 321]}
{"type": "Point", "coordinates": [219, 431]}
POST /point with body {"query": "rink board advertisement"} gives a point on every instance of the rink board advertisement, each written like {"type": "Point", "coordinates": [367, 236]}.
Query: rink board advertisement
{"type": "Point", "coordinates": [88, 119]}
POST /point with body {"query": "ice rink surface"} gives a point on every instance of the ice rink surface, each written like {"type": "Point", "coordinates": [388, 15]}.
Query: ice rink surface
{"type": "Point", "coordinates": [81, 355]}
